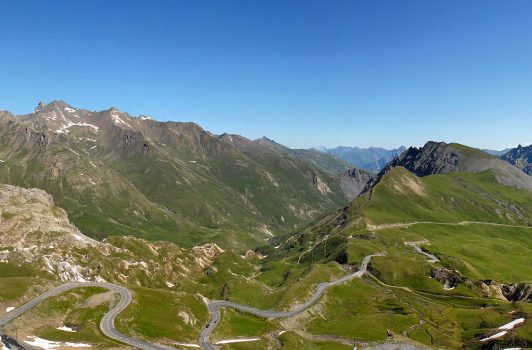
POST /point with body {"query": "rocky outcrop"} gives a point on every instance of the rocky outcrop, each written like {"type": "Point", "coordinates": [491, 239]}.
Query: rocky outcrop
{"type": "Point", "coordinates": [448, 278]}
{"type": "Point", "coordinates": [510, 292]}
{"type": "Point", "coordinates": [517, 291]}
{"type": "Point", "coordinates": [30, 218]}
{"type": "Point", "coordinates": [521, 157]}
{"type": "Point", "coordinates": [353, 181]}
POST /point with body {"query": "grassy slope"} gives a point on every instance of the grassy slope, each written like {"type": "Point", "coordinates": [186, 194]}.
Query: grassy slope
{"type": "Point", "coordinates": [478, 251]}
{"type": "Point", "coordinates": [445, 198]}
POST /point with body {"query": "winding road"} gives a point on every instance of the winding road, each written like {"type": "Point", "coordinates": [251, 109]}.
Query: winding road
{"type": "Point", "coordinates": [214, 306]}
{"type": "Point", "coordinates": [430, 257]}
{"type": "Point", "coordinates": [107, 324]}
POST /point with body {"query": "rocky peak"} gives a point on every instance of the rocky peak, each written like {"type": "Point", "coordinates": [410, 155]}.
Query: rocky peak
{"type": "Point", "coordinates": [271, 144]}
{"type": "Point", "coordinates": [432, 158]}
{"type": "Point", "coordinates": [53, 106]}
{"type": "Point", "coordinates": [40, 106]}
{"type": "Point", "coordinates": [521, 157]}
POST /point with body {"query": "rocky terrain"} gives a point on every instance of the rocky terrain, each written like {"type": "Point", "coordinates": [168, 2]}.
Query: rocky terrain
{"type": "Point", "coordinates": [521, 157]}
{"type": "Point", "coordinates": [34, 231]}
{"type": "Point", "coordinates": [353, 182]}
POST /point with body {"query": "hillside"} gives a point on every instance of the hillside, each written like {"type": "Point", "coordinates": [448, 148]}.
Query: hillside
{"type": "Point", "coordinates": [521, 157]}
{"type": "Point", "coordinates": [117, 174]}
{"type": "Point", "coordinates": [40, 248]}
{"type": "Point", "coordinates": [442, 158]}
{"type": "Point", "coordinates": [457, 248]}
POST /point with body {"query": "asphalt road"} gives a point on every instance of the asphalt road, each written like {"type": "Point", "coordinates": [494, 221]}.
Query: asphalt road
{"type": "Point", "coordinates": [214, 306]}
{"type": "Point", "coordinates": [430, 257]}
{"type": "Point", "coordinates": [107, 324]}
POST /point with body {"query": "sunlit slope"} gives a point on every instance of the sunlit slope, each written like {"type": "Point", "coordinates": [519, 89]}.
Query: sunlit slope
{"type": "Point", "coordinates": [403, 197]}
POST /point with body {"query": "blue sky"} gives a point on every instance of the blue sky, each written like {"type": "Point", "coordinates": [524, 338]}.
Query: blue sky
{"type": "Point", "coordinates": [305, 73]}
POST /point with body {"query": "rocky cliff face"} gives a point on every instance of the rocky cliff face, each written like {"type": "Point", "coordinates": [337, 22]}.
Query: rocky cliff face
{"type": "Point", "coordinates": [353, 182]}
{"type": "Point", "coordinates": [521, 157]}
{"type": "Point", "coordinates": [433, 158]}
{"type": "Point", "coordinates": [30, 218]}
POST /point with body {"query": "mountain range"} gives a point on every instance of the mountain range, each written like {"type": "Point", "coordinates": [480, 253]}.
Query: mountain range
{"type": "Point", "coordinates": [371, 159]}
{"type": "Point", "coordinates": [116, 174]}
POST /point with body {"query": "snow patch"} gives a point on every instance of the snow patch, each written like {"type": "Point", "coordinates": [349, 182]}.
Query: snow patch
{"type": "Point", "coordinates": [188, 345]}
{"type": "Point", "coordinates": [9, 309]}
{"type": "Point", "coordinates": [229, 341]}
{"type": "Point", "coordinates": [71, 150]}
{"type": "Point", "coordinates": [66, 329]}
{"type": "Point", "coordinates": [2, 161]}
{"type": "Point", "coordinates": [505, 328]}
{"type": "Point", "coordinates": [117, 120]}
{"type": "Point", "coordinates": [512, 324]}
{"type": "Point", "coordinates": [170, 284]}
{"type": "Point", "coordinates": [64, 128]}
{"type": "Point", "coordinates": [496, 335]}
{"type": "Point", "coordinates": [99, 279]}
{"type": "Point", "coordinates": [48, 344]}
{"type": "Point", "coordinates": [143, 117]}
{"type": "Point", "coordinates": [68, 109]}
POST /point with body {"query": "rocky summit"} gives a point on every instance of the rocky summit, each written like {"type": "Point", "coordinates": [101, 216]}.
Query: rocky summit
{"type": "Point", "coordinates": [521, 157]}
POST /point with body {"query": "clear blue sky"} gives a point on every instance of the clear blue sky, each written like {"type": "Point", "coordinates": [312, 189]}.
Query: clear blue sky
{"type": "Point", "coordinates": [305, 73]}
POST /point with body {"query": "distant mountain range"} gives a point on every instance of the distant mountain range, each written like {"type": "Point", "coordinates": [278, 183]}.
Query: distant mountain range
{"type": "Point", "coordinates": [372, 159]}
{"type": "Point", "coordinates": [495, 152]}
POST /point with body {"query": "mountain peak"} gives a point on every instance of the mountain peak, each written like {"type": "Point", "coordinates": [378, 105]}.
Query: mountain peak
{"type": "Point", "coordinates": [54, 105]}
{"type": "Point", "coordinates": [40, 106]}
